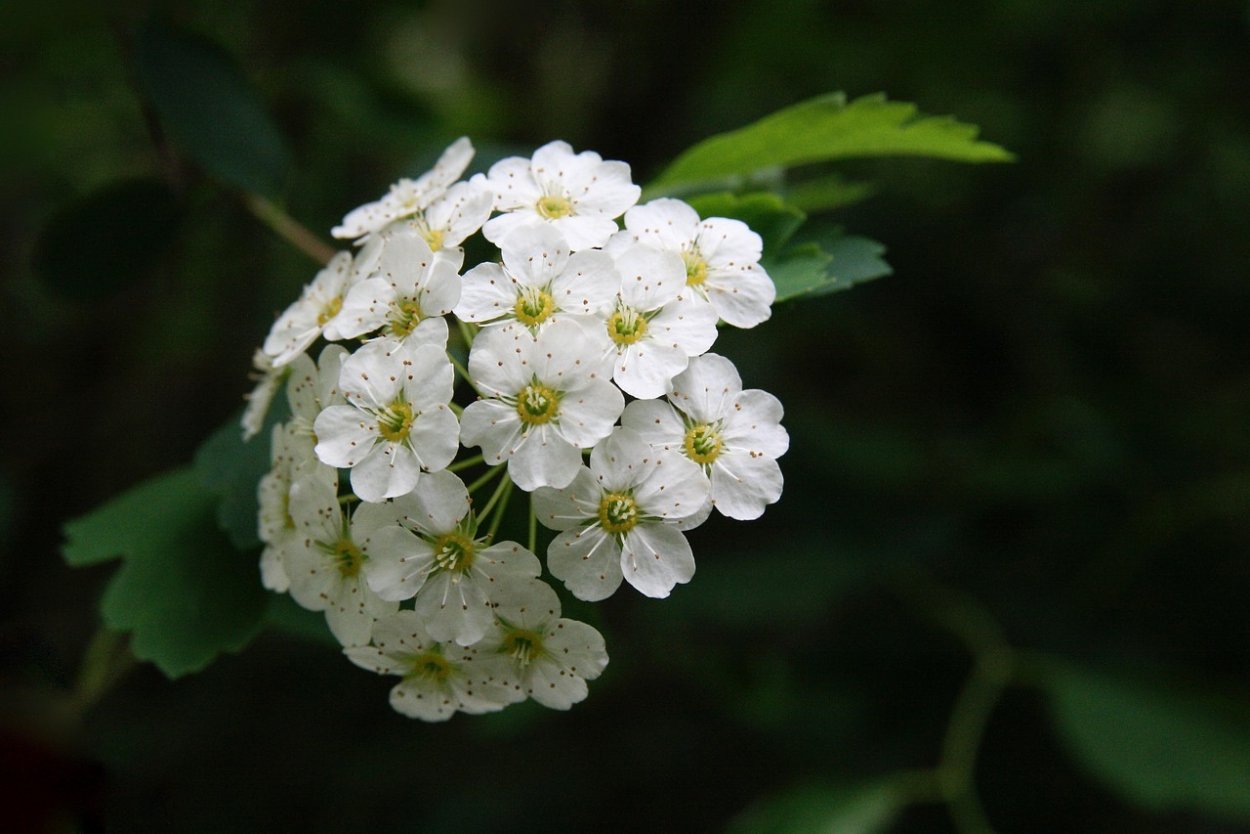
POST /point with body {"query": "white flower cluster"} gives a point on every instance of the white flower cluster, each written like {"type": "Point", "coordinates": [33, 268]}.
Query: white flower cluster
{"type": "Point", "coordinates": [577, 316]}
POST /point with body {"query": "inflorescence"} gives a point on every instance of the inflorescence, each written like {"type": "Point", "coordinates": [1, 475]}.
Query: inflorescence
{"type": "Point", "coordinates": [576, 318]}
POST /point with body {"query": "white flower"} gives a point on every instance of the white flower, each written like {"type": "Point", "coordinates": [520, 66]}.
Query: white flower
{"type": "Point", "coordinates": [546, 398]}
{"type": "Point", "coordinates": [424, 545]}
{"type": "Point", "coordinates": [551, 657]}
{"type": "Point", "coordinates": [408, 197]}
{"type": "Point", "coordinates": [310, 389]}
{"type": "Point", "coordinates": [437, 679]}
{"type": "Point", "coordinates": [617, 519]}
{"type": "Point", "coordinates": [578, 194]}
{"type": "Point", "coordinates": [318, 305]}
{"type": "Point", "coordinates": [538, 282]}
{"type": "Point", "coordinates": [268, 379]}
{"type": "Point", "coordinates": [721, 257]}
{"type": "Point", "coordinates": [275, 527]}
{"type": "Point", "coordinates": [734, 436]}
{"type": "Point", "coordinates": [396, 423]}
{"type": "Point", "coordinates": [654, 328]}
{"type": "Point", "coordinates": [408, 291]}
{"type": "Point", "coordinates": [326, 569]}
{"type": "Point", "coordinates": [453, 217]}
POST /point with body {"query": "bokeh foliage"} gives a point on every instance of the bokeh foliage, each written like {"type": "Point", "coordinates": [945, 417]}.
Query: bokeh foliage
{"type": "Point", "coordinates": [1034, 432]}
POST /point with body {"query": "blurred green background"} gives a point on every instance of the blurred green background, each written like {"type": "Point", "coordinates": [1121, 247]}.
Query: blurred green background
{"type": "Point", "coordinates": [1019, 468]}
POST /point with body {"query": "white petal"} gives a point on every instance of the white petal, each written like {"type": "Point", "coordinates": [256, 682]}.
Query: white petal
{"type": "Point", "coordinates": [492, 425]}
{"type": "Point", "coordinates": [452, 607]}
{"type": "Point", "coordinates": [530, 604]}
{"type": "Point", "coordinates": [650, 278]}
{"type": "Point", "coordinates": [439, 503]}
{"type": "Point", "coordinates": [728, 244]}
{"type": "Point", "coordinates": [486, 294]}
{"type": "Point", "coordinates": [665, 224]}
{"type": "Point", "coordinates": [706, 388]}
{"type": "Point", "coordinates": [543, 458]}
{"type": "Point", "coordinates": [364, 309]}
{"type": "Point", "coordinates": [390, 469]}
{"type": "Point", "coordinates": [622, 461]}
{"type": "Point", "coordinates": [688, 323]}
{"type": "Point", "coordinates": [398, 562]}
{"type": "Point", "coordinates": [584, 232]}
{"type": "Point", "coordinates": [428, 379]}
{"type": "Point", "coordinates": [499, 360]}
{"type": "Point", "coordinates": [656, 557]}
{"type": "Point", "coordinates": [588, 413]}
{"type": "Point", "coordinates": [656, 422]}
{"type": "Point", "coordinates": [588, 561]}
{"type": "Point", "coordinates": [743, 297]}
{"type": "Point", "coordinates": [434, 439]}
{"type": "Point", "coordinates": [676, 488]}
{"type": "Point", "coordinates": [562, 509]}
{"type": "Point", "coordinates": [588, 284]}
{"type": "Point", "coordinates": [345, 434]}
{"type": "Point", "coordinates": [743, 485]}
{"type": "Point", "coordinates": [753, 424]}
{"type": "Point", "coordinates": [645, 368]}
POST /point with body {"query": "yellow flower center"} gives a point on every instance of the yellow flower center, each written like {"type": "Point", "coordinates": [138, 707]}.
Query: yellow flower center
{"type": "Point", "coordinates": [537, 404]}
{"type": "Point", "coordinates": [618, 512]}
{"type": "Point", "coordinates": [696, 269]}
{"type": "Point", "coordinates": [533, 306]}
{"type": "Point", "coordinates": [523, 646]}
{"type": "Point", "coordinates": [395, 422]}
{"type": "Point", "coordinates": [453, 552]}
{"type": "Point", "coordinates": [406, 317]}
{"type": "Point", "coordinates": [330, 310]}
{"type": "Point", "coordinates": [626, 326]}
{"type": "Point", "coordinates": [552, 207]}
{"type": "Point", "coordinates": [431, 665]}
{"type": "Point", "coordinates": [434, 237]}
{"type": "Point", "coordinates": [348, 558]}
{"type": "Point", "coordinates": [702, 444]}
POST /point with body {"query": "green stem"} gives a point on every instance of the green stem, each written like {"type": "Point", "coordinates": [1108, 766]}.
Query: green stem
{"type": "Point", "coordinates": [461, 465]}
{"type": "Point", "coordinates": [992, 671]}
{"type": "Point", "coordinates": [533, 531]}
{"type": "Point", "coordinates": [467, 332]}
{"type": "Point", "coordinates": [289, 229]}
{"type": "Point", "coordinates": [464, 372]}
{"type": "Point", "coordinates": [481, 481]}
{"type": "Point", "coordinates": [504, 482]}
{"type": "Point", "coordinates": [502, 508]}
{"type": "Point", "coordinates": [455, 409]}
{"type": "Point", "coordinates": [104, 664]}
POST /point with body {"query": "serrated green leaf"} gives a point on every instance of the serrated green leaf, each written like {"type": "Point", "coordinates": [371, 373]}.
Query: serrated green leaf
{"type": "Point", "coordinates": [837, 262]}
{"type": "Point", "coordinates": [766, 214]}
{"type": "Point", "coordinates": [96, 245]}
{"type": "Point", "coordinates": [822, 129]}
{"type": "Point", "coordinates": [182, 590]}
{"type": "Point", "coordinates": [826, 809]}
{"type": "Point", "coordinates": [210, 110]}
{"type": "Point", "coordinates": [232, 468]}
{"type": "Point", "coordinates": [826, 193]}
{"type": "Point", "coordinates": [1156, 747]}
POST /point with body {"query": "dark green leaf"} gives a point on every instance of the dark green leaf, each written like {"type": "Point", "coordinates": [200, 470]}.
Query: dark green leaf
{"type": "Point", "coordinates": [826, 193]}
{"type": "Point", "coordinates": [183, 591]}
{"type": "Point", "coordinates": [210, 110]}
{"type": "Point", "coordinates": [826, 128]}
{"type": "Point", "coordinates": [766, 214]}
{"type": "Point", "coordinates": [835, 262]}
{"type": "Point", "coordinates": [232, 469]}
{"type": "Point", "coordinates": [827, 809]}
{"type": "Point", "coordinates": [1157, 747]}
{"type": "Point", "coordinates": [96, 245]}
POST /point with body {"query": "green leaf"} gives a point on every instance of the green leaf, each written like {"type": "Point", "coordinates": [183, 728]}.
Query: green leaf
{"type": "Point", "coordinates": [210, 110]}
{"type": "Point", "coordinates": [1157, 747]}
{"type": "Point", "coordinates": [826, 193]}
{"type": "Point", "coordinates": [822, 129]}
{"type": "Point", "coordinates": [766, 214]}
{"type": "Point", "coordinates": [827, 809]}
{"type": "Point", "coordinates": [232, 469]}
{"type": "Point", "coordinates": [836, 262]}
{"type": "Point", "coordinates": [98, 244]}
{"type": "Point", "coordinates": [182, 590]}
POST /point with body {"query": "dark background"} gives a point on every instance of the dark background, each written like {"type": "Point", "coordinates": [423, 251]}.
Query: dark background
{"type": "Point", "coordinates": [1044, 409]}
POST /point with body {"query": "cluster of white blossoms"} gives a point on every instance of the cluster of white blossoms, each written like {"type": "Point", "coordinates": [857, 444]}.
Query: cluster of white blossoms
{"type": "Point", "coordinates": [584, 350]}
